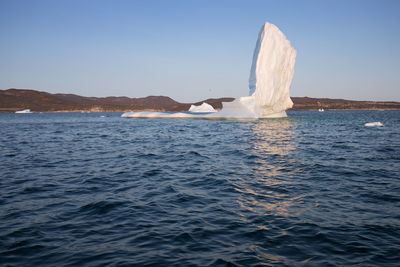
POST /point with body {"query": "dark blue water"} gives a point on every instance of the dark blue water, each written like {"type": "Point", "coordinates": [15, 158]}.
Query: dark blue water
{"type": "Point", "coordinates": [315, 189]}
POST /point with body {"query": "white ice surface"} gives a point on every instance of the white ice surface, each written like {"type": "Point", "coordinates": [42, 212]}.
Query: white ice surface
{"type": "Point", "coordinates": [270, 79]}
{"type": "Point", "coordinates": [203, 108]}
{"type": "Point", "coordinates": [149, 114]}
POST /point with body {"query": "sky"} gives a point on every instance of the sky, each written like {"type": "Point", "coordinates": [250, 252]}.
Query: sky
{"type": "Point", "coordinates": [193, 50]}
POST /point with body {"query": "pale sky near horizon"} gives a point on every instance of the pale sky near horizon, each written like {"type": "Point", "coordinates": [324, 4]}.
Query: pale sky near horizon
{"type": "Point", "coordinates": [193, 50]}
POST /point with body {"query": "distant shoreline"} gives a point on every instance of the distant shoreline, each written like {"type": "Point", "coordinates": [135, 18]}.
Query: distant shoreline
{"type": "Point", "coordinates": [83, 112]}
{"type": "Point", "coordinates": [12, 100]}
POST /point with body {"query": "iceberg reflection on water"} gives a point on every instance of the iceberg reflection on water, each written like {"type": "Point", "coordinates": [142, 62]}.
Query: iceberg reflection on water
{"type": "Point", "coordinates": [273, 141]}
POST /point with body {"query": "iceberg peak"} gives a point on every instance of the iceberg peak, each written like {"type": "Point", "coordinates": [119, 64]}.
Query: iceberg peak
{"type": "Point", "coordinates": [272, 71]}
{"type": "Point", "coordinates": [271, 76]}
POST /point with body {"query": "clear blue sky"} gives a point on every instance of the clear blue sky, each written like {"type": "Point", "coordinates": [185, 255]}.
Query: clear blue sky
{"type": "Point", "coordinates": [192, 50]}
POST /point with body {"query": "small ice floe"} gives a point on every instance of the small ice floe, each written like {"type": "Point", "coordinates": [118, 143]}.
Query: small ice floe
{"type": "Point", "coordinates": [203, 108]}
{"type": "Point", "coordinates": [23, 111]}
{"type": "Point", "coordinates": [374, 124]}
{"type": "Point", "coordinates": [102, 116]}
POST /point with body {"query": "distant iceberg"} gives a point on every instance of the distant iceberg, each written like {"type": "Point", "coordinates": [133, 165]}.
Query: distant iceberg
{"type": "Point", "coordinates": [270, 80]}
{"type": "Point", "coordinates": [203, 108]}
{"type": "Point", "coordinates": [374, 124]}
{"type": "Point", "coordinates": [23, 111]}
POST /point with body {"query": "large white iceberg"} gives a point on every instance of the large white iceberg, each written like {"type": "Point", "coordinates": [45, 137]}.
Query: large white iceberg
{"type": "Point", "coordinates": [203, 108]}
{"type": "Point", "coordinates": [270, 79]}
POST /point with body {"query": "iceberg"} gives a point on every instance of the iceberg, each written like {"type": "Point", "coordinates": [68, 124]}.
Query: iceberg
{"type": "Point", "coordinates": [203, 108]}
{"type": "Point", "coordinates": [373, 124]}
{"type": "Point", "coordinates": [270, 80]}
{"type": "Point", "coordinates": [23, 111]}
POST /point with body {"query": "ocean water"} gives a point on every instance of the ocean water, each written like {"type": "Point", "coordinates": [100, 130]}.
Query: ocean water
{"type": "Point", "coordinates": [314, 189]}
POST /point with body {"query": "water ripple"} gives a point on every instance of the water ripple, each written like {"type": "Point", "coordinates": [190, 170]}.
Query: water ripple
{"type": "Point", "coordinates": [314, 189]}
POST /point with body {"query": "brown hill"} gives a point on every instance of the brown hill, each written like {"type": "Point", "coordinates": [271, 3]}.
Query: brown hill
{"type": "Point", "coordinates": [12, 100]}
{"type": "Point", "coordinates": [308, 103]}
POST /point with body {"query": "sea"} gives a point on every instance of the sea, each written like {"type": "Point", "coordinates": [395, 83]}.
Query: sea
{"type": "Point", "coordinates": [95, 189]}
